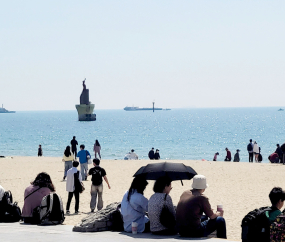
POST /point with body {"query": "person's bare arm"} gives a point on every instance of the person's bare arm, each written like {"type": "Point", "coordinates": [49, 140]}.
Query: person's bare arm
{"type": "Point", "coordinates": [106, 180]}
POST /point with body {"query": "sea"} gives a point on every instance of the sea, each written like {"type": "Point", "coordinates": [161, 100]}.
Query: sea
{"type": "Point", "coordinates": [183, 134]}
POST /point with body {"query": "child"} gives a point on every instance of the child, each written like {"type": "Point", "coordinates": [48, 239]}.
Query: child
{"type": "Point", "coordinates": [236, 158]}
{"type": "Point", "coordinates": [215, 156]}
{"type": "Point", "coordinates": [40, 151]}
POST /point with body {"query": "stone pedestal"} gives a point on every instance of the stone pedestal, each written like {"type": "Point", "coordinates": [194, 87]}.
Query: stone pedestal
{"type": "Point", "coordinates": [85, 112]}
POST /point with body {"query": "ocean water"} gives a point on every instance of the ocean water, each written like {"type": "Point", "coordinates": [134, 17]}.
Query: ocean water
{"type": "Point", "coordinates": [178, 134]}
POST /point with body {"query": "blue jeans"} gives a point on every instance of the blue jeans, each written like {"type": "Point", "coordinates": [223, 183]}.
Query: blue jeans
{"type": "Point", "coordinates": [67, 166]}
{"type": "Point", "coordinates": [84, 170]}
{"type": "Point", "coordinates": [208, 226]}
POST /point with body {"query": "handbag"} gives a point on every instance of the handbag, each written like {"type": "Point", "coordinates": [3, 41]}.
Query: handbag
{"type": "Point", "coordinates": [166, 218]}
{"type": "Point", "coordinates": [89, 161]}
{"type": "Point", "coordinates": [79, 187]}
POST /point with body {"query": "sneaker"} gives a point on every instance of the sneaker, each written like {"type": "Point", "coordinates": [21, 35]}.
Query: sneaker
{"type": "Point", "coordinates": [92, 210]}
{"type": "Point", "coordinates": [76, 212]}
{"type": "Point", "coordinates": [67, 212]}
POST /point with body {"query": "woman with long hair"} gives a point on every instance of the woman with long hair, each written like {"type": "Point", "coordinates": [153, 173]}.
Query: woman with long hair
{"type": "Point", "coordinates": [162, 188]}
{"type": "Point", "coordinates": [97, 149]}
{"type": "Point", "coordinates": [67, 158]}
{"type": "Point", "coordinates": [134, 206]}
{"type": "Point", "coordinates": [40, 187]}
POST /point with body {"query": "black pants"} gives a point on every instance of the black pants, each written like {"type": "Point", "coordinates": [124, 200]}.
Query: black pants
{"type": "Point", "coordinates": [250, 157]}
{"type": "Point", "coordinates": [74, 151]}
{"type": "Point", "coordinates": [70, 195]}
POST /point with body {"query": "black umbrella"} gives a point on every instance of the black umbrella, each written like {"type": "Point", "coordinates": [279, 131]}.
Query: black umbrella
{"type": "Point", "coordinates": [175, 171]}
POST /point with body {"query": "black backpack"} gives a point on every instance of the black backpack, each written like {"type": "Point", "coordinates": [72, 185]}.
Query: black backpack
{"type": "Point", "coordinates": [249, 147]}
{"type": "Point", "coordinates": [117, 220]}
{"type": "Point", "coordinates": [256, 226]}
{"type": "Point", "coordinates": [9, 211]}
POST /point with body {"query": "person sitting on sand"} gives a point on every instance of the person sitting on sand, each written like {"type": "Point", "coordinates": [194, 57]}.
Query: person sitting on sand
{"type": "Point", "coordinates": [228, 156]}
{"type": "Point", "coordinates": [67, 158]}
{"type": "Point", "coordinates": [134, 206]}
{"type": "Point", "coordinates": [191, 206]}
{"type": "Point", "coordinates": [236, 157]}
{"type": "Point", "coordinates": [151, 154]}
{"type": "Point", "coordinates": [72, 174]}
{"type": "Point", "coordinates": [273, 158]}
{"type": "Point", "coordinates": [133, 155]}
{"type": "Point", "coordinates": [83, 156]}
{"type": "Point", "coordinates": [156, 155]}
{"type": "Point", "coordinates": [162, 188]}
{"type": "Point", "coordinates": [216, 156]}
{"type": "Point", "coordinates": [279, 152]}
{"type": "Point", "coordinates": [40, 187]}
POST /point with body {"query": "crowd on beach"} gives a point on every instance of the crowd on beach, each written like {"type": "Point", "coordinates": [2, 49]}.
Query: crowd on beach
{"type": "Point", "coordinates": [254, 152]}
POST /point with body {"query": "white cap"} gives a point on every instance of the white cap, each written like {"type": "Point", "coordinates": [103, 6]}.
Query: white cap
{"type": "Point", "coordinates": [199, 182]}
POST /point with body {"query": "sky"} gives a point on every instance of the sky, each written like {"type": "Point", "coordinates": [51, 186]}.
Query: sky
{"type": "Point", "coordinates": [180, 54]}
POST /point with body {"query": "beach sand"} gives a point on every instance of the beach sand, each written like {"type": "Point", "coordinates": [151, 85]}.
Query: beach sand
{"type": "Point", "coordinates": [239, 187]}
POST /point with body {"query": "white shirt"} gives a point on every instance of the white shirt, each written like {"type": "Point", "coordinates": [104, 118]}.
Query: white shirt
{"type": "Point", "coordinates": [70, 179]}
{"type": "Point", "coordinates": [2, 191]}
{"type": "Point", "coordinates": [133, 156]}
{"type": "Point", "coordinates": [134, 211]}
{"type": "Point", "coordinates": [256, 148]}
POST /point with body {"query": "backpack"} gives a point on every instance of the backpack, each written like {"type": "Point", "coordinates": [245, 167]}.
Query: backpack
{"type": "Point", "coordinates": [277, 229]}
{"type": "Point", "coordinates": [50, 212]}
{"type": "Point", "coordinates": [256, 226]}
{"type": "Point", "coordinates": [9, 212]}
{"type": "Point", "coordinates": [249, 147]}
{"type": "Point", "coordinates": [117, 220]}
{"type": "Point", "coordinates": [259, 157]}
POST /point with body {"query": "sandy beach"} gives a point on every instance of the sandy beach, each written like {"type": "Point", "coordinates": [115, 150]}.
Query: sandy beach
{"type": "Point", "coordinates": [239, 187]}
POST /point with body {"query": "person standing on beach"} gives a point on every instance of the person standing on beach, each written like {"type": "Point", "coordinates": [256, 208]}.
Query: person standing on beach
{"type": "Point", "coordinates": [83, 156]}
{"type": "Point", "coordinates": [216, 156]}
{"type": "Point", "coordinates": [67, 158]}
{"type": "Point", "coordinates": [97, 173]}
{"type": "Point", "coordinates": [250, 151]}
{"type": "Point", "coordinates": [70, 186]}
{"type": "Point", "coordinates": [229, 155]}
{"type": "Point", "coordinates": [256, 151]}
{"type": "Point", "coordinates": [279, 152]}
{"type": "Point", "coordinates": [97, 149]}
{"type": "Point", "coordinates": [74, 144]}
{"type": "Point", "coordinates": [40, 151]}
{"type": "Point", "coordinates": [151, 154]}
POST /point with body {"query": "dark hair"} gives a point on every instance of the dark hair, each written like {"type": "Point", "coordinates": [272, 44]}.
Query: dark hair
{"type": "Point", "coordinates": [74, 137]}
{"type": "Point", "coordinates": [276, 194]}
{"type": "Point", "coordinates": [250, 140]}
{"type": "Point", "coordinates": [161, 183]}
{"type": "Point", "coordinates": [75, 163]}
{"type": "Point", "coordinates": [96, 161]}
{"type": "Point", "coordinates": [277, 145]}
{"type": "Point", "coordinates": [82, 146]}
{"type": "Point", "coordinates": [97, 142]}
{"type": "Point", "coordinates": [43, 180]}
{"type": "Point", "coordinates": [67, 152]}
{"type": "Point", "coordinates": [139, 183]}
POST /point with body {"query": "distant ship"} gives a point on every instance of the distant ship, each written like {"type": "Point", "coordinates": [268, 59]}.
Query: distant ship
{"type": "Point", "coordinates": [3, 110]}
{"type": "Point", "coordinates": [280, 109]}
{"type": "Point", "coordinates": [143, 109]}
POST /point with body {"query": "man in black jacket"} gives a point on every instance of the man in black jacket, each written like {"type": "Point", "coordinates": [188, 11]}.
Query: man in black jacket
{"type": "Point", "coordinates": [279, 152]}
{"type": "Point", "coordinates": [151, 154]}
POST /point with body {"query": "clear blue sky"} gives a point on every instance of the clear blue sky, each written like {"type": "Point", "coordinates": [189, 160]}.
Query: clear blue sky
{"type": "Point", "coordinates": [178, 53]}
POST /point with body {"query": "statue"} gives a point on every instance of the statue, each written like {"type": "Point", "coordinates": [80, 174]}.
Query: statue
{"type": "Point", "coordinates": [84, 97]}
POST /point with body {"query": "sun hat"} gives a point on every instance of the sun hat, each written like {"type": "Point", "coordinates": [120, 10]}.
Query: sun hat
{"type": "Point", "coordinates": [199, 182]}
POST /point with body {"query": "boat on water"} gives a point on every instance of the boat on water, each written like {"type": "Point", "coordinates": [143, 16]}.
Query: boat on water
{"type": "Point", "coordinates": [4, 110]}
{"type": "Point", "coordinates": [144, 109]}
{"type": "Point", "coordinates": [280, 109]}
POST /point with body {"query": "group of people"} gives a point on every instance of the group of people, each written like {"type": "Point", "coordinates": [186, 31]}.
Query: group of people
{"type": "Point", "coordinates": [278, 156]}
{"type": "Point", "coordinates": [42, 186]}
{"type": "Point", "coordinates": [189, 220]}
{"type": "Point", "coordinates": [228, 156]}
{"type": "Point", "coordinates": [153, 155]}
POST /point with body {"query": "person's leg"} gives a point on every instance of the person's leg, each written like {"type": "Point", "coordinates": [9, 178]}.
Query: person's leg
{"type": "Point", "coordinates": [70, 195]}
{"type": "Point", "coordinates": [251, 157]}
{"type": "Point", "coordinates": [100, 197]}
{"type": "Point", "coordinates": [82, 171]}
{"type": "Point", "coordinates": [99, 154]}
{"type": "Point", "coordinates": [66, 168]}
{"type": "Point", "coordinates": [283, 159]}
{"type": "Point", "coordinates": [85, 170]}
{"type": "Point", "coordinates": [93, 193]}
{"type": "Point", "coordinates": [219, 224]}
{"type": "Point", "coordinates": [76, 195]}
{"type": "Point", "coordinates": [95, 154]}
